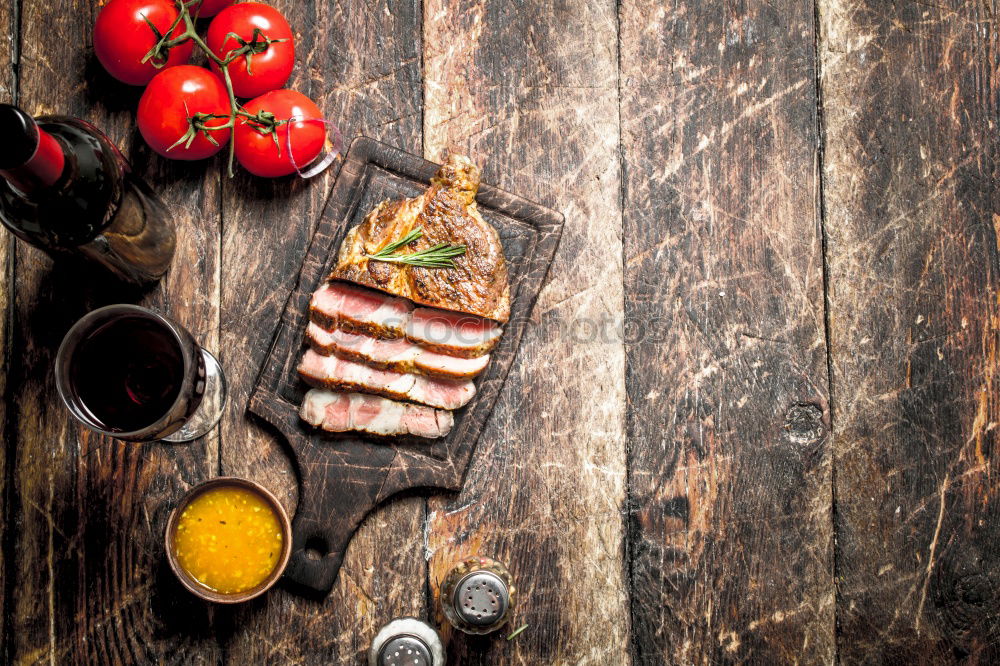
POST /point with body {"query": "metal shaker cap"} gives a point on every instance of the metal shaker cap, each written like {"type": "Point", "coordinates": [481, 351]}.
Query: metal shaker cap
{"type": "Point", "coordinates": [405, 650]}
{"type": "Point", "coordinates": [478, 595]}
{"type": "Point", "coordinates": [406, 641]}
{"type": "Point", "coordinates": [481, 598]}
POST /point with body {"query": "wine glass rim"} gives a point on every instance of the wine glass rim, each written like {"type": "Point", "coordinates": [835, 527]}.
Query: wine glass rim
{"type": "Point", "coordinates": [62, 381]}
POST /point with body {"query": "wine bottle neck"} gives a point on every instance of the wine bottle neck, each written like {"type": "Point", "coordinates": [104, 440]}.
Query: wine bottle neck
{"type": "Point", "coordinates": [36, 160]}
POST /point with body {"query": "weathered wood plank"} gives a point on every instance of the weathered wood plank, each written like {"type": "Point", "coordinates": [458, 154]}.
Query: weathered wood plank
{"type": "Point", "coordinates": [910, 104]}
{"type": "Point", "coordinates": [8, 38]}
{"type": "Point", "coordinates": [530, 91]}
{"type": "Point", "coordinates": [726, 377]}
{"type": "Point", "coordinates": [92, 583]}
{"type": "Point", "coordinates": [361, 62]}
{"type": "Point", "coordinates": [8, 93]}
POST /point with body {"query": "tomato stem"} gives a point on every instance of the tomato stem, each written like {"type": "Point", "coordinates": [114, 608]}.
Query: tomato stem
{"type": "Point", "coordinates": [262, 122]}
{"type": "Point", "coordinates": [234, 108]}
{"type": "Point", "coordinates": [161, 50]}
{"type": "Point", "coordinates": [196, 123]}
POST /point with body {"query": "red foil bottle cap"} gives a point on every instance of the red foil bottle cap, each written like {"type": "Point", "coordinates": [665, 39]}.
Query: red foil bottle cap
{"type": "Point", "coordinates": [34, 158]}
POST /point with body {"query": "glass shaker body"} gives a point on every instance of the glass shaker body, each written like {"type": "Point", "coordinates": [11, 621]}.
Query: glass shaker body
{"type": "Point", "coordinates": [478, 595]}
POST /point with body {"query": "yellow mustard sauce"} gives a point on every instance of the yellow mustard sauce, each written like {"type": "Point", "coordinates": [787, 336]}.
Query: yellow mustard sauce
{"type": "Point", "coordinates": [228, 539]}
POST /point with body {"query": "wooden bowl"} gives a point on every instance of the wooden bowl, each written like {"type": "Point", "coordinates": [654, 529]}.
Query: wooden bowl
{"type": "Point", "coordinates": [197, 588]}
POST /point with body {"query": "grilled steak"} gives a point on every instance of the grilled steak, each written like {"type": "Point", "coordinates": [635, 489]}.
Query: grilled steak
{"type": "Point", "coordinates": [446, 213]}
{"type": "Point", "coordinates": [359, 310]}
{"type": "Point", "coordinates": [331, 372]}
{"type": "Point", "coordinates": [400, 355]}
{"type": "Point", "coordinates": [365, 342]}
{"type": "Point", "coordinates": [452, 333]}
{"type": "Point", "coordinates": [341, 412]}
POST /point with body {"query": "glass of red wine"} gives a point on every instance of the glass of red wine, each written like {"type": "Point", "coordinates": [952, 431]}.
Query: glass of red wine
{"type": "Point", "coordinates": [135, 374]}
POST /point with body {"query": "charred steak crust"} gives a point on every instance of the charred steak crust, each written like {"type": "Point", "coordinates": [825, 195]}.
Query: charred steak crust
{"type": "Point", "coordinates": [447, 213]}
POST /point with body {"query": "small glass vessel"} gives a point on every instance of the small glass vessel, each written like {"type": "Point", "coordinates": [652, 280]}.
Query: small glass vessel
{"type": "Point", "coordinates": [406, 641]}
{"type": "Point", "coordinates": [135, 374]}
{"type": "Point", "coordinates": [478, 595]}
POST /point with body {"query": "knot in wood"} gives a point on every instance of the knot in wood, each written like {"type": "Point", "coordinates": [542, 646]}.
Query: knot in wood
{"type": "Point", "coordinates": [804, 423]}
{"type": "Point", "coordinates": [965, 597]}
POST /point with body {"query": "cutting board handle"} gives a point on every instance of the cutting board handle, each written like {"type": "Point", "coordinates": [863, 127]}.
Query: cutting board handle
{"type": "Point", "coordinates": [340, 484]}
{"type": "Point", "coordinates": [310, 573]}
{"type": "Point", "coordinates": [318, 547]}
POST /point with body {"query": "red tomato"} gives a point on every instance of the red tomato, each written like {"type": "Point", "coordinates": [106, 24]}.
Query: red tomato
{"type": "Point", "coordinates": [260, 154]}
{"type": "Point", "coordinates": [270, 63]}
{"type": "Point", "coordinates": [175, 95]}
{"type": "Point", "coordinates": [122, 38]}
{"type": "Point", "coordinates": [209, 7]}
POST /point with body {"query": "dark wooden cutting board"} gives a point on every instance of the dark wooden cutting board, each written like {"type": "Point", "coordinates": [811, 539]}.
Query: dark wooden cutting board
{"type": "Point", "coordinates": [344, 476]}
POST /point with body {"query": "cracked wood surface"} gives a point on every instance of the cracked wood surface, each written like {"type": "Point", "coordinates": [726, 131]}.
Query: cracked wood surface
{"type": "Point", "coordinates": [8, 36]}
{"type": "Point", "coordinates": [730, 523]}
{"type": "Point", "coordinates": [910, 95]}
{"type": "Point", "coordinates": [89, 583]}
{"type": "Point", "coordinates": [659, 499]}
{"type": "Point", "coordinates": [361, 62]}
{"type": "Point", "coordinates": [531, 91]}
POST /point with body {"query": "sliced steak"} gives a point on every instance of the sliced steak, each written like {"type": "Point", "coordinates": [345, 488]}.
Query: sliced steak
{"type": "Point", "coordinates": [332, 372]}
{"type": "Point", "coordinates": [452, 333]}
{"type": "Point", "coordinates": [360, 310]}
{"type": "Point", "coordinates": [338, 305]}
{"type": "Point", "coordinates": [400, 355]}
{"type": "Point", "coordinates": [343, 412]}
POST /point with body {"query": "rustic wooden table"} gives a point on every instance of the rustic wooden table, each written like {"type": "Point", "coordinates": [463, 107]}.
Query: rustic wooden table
{"type": "Point", "coordinates": [788, 451]}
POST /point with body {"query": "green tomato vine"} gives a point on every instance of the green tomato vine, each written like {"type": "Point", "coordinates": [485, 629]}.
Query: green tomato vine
{"type": "Point", "coordinates": [263, 121]}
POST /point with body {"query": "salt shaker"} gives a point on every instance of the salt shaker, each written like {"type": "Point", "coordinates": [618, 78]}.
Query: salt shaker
{"type": "Point", "coordinates": [478, 595]}
{"type": "Point", "coordinates": [406, 641]}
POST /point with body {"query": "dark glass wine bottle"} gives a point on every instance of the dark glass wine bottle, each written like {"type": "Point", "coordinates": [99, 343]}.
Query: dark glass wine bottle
{"type": "Point", "coordinates": [67, 189]}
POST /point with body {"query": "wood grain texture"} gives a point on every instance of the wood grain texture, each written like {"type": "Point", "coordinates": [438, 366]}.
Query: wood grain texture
{"type": "Point", "coordinates": [361, 62]}
{"type": "Point", "coordinates": [683, 138]}
{"type": "Point", "coordinates": [92, 583]}
{"type": "Point", "coordinates": [910, 103]}
{"type": "Point", "coordinates": [730, 529]}
{"type": "Point", "coordinates": [8, 92]}
{"type": "Point", "coordinates": [529, 90]}
{"type": "Point", "coordinates": [9, 28]}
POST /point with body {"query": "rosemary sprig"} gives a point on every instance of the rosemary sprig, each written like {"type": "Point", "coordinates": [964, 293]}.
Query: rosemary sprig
{"type": "Point", "coordinates": [405, 240]}
{"type": "Point", "coordinates": [438, 256]}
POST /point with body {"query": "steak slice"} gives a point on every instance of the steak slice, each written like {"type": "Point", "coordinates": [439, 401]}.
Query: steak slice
{"type": "Point", "coordinates": [452, 333]}
{"type": "Point", "coordinates": [331, 372]}
{"type": "Point", "coordinates": [400, 355]}
{"type": "Point", "coordinates": [356, 309]}
{"type": "Point", "coordinates": [338, 305]}
{"type": "Point", "coordinates": [343, 412]}
{"type": "Point", "coordinates": [445, 213]}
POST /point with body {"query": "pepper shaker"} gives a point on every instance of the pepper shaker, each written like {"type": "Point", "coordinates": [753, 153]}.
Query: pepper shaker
{"type": "Point", "coordinates": [406, 641]}
{"type": "Point", "coordinates": [478, 595]}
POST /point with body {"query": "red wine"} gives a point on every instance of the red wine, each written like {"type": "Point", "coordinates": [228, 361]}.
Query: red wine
{"type": "Point", "coordinates": [66, 188]}
{"type": "Point", "coordinates": [128, 373]}
{"type": "Point", "coordinates": [138, 375]}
